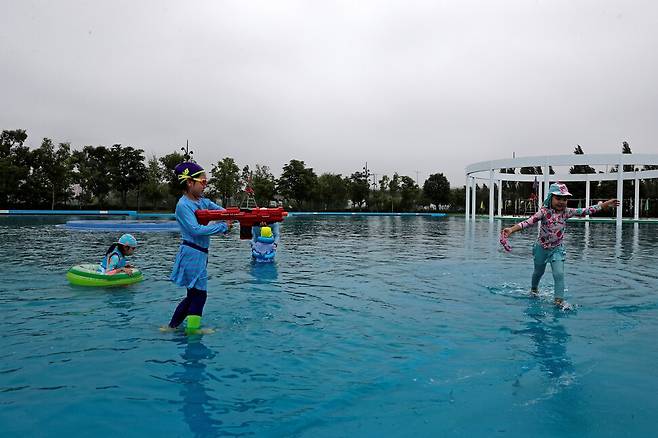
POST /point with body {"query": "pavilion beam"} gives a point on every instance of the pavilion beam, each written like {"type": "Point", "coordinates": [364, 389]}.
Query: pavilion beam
{"type": "Point", "coordinates": [547, 181]}
{"type": "Point", "coordinates": [467, 210]}
{"type": "Point", "coordinates": [620, 192]}
{"type": "Point", "coordinates": [587, 202]}
{"type": "Point", "coordinates": [491, 195]}
{"type": "Point", "coordinates": [500, 197]}
{"type": "Point", "coordinates": [473, 197]}
{"type": "Point", "coordinates": [636, 204]}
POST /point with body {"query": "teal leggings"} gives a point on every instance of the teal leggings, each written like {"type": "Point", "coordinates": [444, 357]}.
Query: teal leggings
{"type": "Point", "coordinates": [555, 257]}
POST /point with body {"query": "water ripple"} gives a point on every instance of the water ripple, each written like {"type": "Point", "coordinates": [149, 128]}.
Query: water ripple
{"type": "Point", "coordinates": [362, 326]}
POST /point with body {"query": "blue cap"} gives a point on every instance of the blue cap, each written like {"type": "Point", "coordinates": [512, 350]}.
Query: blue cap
{"type": "Point", "coordinates": [557, 189]}
{"type": "Point", "coordinates": [128, 240]}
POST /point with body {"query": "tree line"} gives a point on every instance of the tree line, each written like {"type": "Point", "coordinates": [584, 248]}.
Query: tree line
{"type": "Point", "coordinates": [99, 177]}
{"type": "Point", "coordinates": [57, 176]}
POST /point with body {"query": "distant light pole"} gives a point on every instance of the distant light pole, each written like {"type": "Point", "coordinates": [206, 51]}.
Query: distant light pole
{"type": "Point", "coordinates": [366, 174]}
{"type": "Point", "coordinates": [187, 153]}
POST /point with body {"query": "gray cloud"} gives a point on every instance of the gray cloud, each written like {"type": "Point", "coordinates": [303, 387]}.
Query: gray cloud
{"type": "Point", "coordinates": [406, 86]}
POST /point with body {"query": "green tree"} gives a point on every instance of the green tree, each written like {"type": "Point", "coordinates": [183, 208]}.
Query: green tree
{"type": "Point", "coordinates": [225, 181]}
{"type": "Point", "coordinates": [332, 191]}
{"type": "Point", "coordinates": [628, 186]}
{"type": "Point", "coordinates": [13, 168]}
{"type": "Point", "coordinates": [650, 189]}
{"type": "Point", "coordinates": [245, 177]}
{"type": "Point", "coordinates": [52, 172]}
{"type": "Point", "coordinates": [458, 198]}
{"type": "Point", "coordinates": [410, 193]}
{"type": "Point", "coordinates": [34, 190]}
{"type": "Point", "coordinates": [436, 189]}
{"type": "Point", "coordinates": [297, 183]}
{"type": "Point", "coordinates": [91, 173]}
{"type": "Point", "coordinates": [246, 188]}
{"type": "Point", "coordinates": [608, 189]}
{"type": "Point", "coordinates": [626, 149]}
{"type": "Point", "coordinates": [126, 170]}
{"type": "Point", "coordinates": [384, 181]}
{"type": "Point", "coordinates": [380, 197]}
{"type": "Point", "coordinates": [394, 188]}
{"type": "Point", "coordinates": [359, 189]}
{"type": "Point", "coordinates": [169, 163]}
{"type": "Point", "coordinates": [581, 168]}
{"type": "Point", "coordinates": [154, 188]}
{"type": "Point", "coordinates": [578, 188]}
{"type": "Point", "coordinates": [264, 185]}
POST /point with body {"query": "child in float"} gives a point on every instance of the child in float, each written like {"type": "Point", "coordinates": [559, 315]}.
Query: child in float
{"type": "Point", "coordinates": [192, 259]}
{"type": "Point", "coordinates": [114, 261]}
{"type": "Point", "coordinates": [549, 247]}
{"type": "Point", "coordinates": [275, 228]}
{"type": "Point", "coordinates": [263, 249]}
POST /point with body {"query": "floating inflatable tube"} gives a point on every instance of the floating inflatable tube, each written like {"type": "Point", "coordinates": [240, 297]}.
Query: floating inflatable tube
{"type": "Point", "coordinates": [88, 275]}
{"type": "Point", "coordinates": [127, 225]}
{"type": "Point", "coordinates": [263, 258]}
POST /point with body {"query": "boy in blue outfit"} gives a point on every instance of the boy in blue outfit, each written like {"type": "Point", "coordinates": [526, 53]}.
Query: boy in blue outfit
{"type": "Point", "coordinates": [263, 248]}
{"type": "Point", "coordinates": [192, 259]}
{"type": "Point", "coordinates": [114, 261]}
{"type": "Point", "coordinates": [276, 232]}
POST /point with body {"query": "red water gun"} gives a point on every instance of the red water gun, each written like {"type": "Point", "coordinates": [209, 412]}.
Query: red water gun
{"type": "Point", "coordinates": [248, 217]}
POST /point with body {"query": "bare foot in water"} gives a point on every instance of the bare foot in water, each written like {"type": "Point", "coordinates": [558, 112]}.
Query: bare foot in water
{"type": "Point", "coordinates": [167, 329]}
{"type": "Point", "coordinates": [534, 292]}
{"type": "Point", "coordinates": [562, 305]}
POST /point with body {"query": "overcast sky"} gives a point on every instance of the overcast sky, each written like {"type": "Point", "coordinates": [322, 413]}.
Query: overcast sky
{"type": "Point", "coordinates": [407, 86]}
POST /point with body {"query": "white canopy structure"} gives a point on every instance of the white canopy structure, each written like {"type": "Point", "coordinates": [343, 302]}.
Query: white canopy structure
{"type": "Point", "coordinates": [490, 172]}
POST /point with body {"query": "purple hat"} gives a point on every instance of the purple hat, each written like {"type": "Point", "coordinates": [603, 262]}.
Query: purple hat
{"type": "Point", "coordinates": [187, 170]}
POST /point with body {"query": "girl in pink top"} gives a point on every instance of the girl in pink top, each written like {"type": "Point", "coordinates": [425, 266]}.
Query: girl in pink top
{"type": "Point", "coordinates": [553, 217]}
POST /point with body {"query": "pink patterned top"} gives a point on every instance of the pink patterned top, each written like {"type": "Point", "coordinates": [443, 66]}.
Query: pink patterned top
{"type": "Point", "coordinates": [553, 223]}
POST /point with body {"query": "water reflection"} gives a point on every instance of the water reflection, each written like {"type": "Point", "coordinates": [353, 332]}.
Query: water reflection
{"type": "Point", "coordinates": [494, 232]}
{"type": "Point", "coordinates": [469, 235]}
{"type": "Point", "coordinates": [196, 402]}
{"type": "Point", "coordinates": [550, 340]}
{"type": "Point", "coordinates": [264, 272]}
{"type": "Point", "coordinates": [123, 300]}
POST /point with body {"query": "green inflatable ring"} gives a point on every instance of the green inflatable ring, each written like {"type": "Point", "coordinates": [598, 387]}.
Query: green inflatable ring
{"type": "Point", "coordinates": [88, 275]}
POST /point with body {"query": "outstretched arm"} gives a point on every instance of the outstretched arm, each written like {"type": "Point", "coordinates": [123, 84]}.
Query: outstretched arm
{"type": "Point", "coordinates": [593, 209]}
{"type": "Point", "coordinates": [525, 224]}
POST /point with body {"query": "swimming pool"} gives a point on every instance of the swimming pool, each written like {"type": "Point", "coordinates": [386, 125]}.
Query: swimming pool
{"type": "Point", "coordinates": [364, 326]}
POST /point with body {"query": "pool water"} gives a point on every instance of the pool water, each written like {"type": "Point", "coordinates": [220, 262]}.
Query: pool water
{"type": "Point", "coordinates": [364, 326]}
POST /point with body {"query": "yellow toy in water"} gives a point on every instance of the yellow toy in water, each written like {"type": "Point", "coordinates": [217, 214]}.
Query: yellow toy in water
{"type": "Point", "coordinates": [88, 275]}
